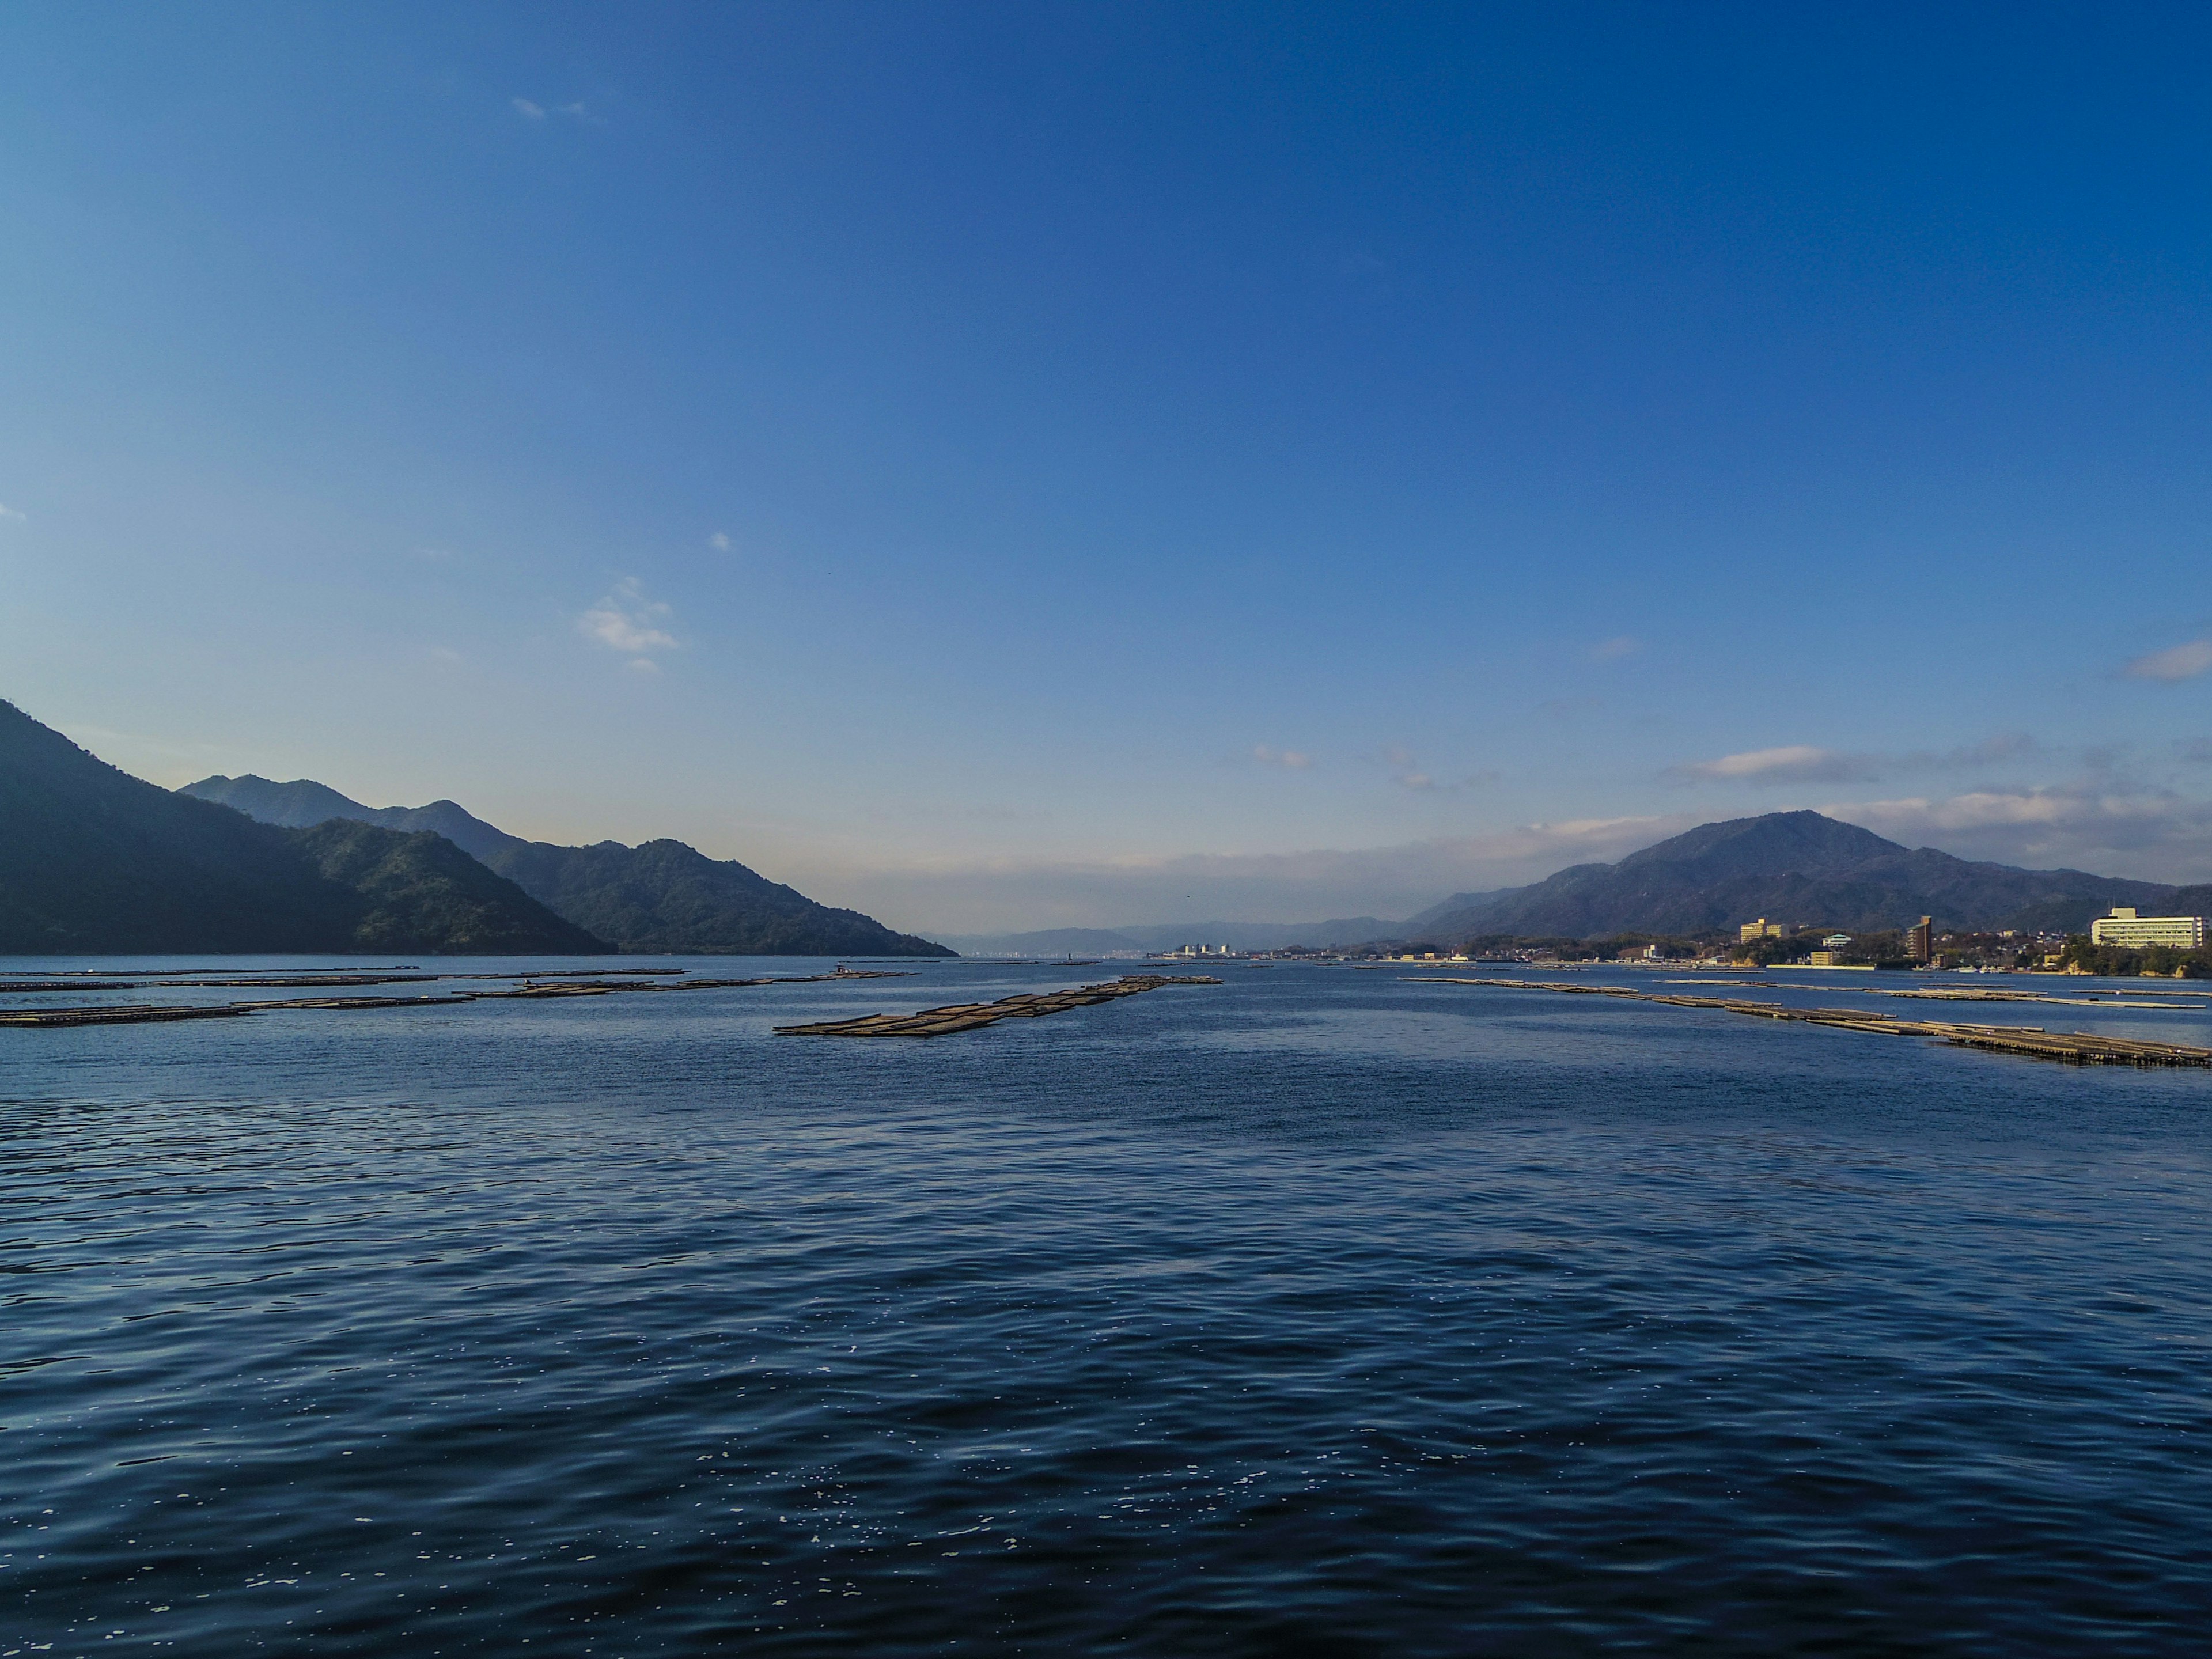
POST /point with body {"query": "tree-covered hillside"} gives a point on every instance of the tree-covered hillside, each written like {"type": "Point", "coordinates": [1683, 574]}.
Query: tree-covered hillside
{"type": "Point", "coordinates": [95, 861]}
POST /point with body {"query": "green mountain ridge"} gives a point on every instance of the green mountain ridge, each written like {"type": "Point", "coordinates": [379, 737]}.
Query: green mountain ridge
{"type": "Point", "coordinates": [661, 897]}
{"type": "Point", "coordinates": [94, 860]}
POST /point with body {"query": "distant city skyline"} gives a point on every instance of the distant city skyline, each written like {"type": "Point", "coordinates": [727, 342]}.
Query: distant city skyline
{"type": "Point", "coordinates": [1007, 467]}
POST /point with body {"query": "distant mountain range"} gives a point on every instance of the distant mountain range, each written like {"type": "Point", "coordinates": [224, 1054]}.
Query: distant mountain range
{"type": "Point", "coordinates": [661, 897]}
{"type": "Point", "coordinates": [1168, 935]}
{"type": "Point", "coordinates": [1798, 867]}
{"type": "Point", "coordinates": [95, 861]}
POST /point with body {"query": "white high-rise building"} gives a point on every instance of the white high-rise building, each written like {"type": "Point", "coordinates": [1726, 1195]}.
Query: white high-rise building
{"type": "Point", "coordinates": [2123, 928]}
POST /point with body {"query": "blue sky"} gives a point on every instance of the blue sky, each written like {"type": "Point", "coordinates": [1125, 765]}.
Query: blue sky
{"type": "Point", "coordinates": [1022, 466]}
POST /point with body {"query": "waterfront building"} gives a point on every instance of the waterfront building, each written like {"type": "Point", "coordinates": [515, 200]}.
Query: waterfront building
{"type": "Point", "coordinates": [1920, 940]}
{"type": "Point", "coordinates": [2123, 928]}
{"type": "Point", "coordinates": [1761, 929]}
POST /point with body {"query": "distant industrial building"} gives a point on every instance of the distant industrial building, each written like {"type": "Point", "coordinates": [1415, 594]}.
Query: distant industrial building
{"type": "Point", "coordinates": [1920, 940]}
{"type": "Point", "coordinates": [2123, 928]}
{"type": "Point", "coordinates": [1761, 929]}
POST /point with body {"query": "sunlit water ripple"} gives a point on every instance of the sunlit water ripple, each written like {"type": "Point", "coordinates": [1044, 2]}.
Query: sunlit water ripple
{"type": "Point", "coordinates": [1319, 1312]}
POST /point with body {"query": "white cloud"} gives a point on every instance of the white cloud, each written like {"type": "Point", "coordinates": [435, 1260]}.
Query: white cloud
{"type": "Point", "coordinates": [6, 512]}
{"type": "Point", "coordinates": [2149, 833]}
{"type": "Point", "coordinates": [1613, 649]}
{"type": "Point", "coordinates": [2179, 662]}
{"type": "Point", "coordinates": [719, 541]}
{"type": "Point", "coordinates": [626, 621]}
{"type": "Point", "coordinates": [1292, 759]}
{"type": "Point", "coordinates": [579, 110]}
{"type": "Point", "coordinates": [1792, 761]}
{"type": "Point", "coordinates": [1407, 772]}
{"type": "Point", "coordinates": [1803, 762]}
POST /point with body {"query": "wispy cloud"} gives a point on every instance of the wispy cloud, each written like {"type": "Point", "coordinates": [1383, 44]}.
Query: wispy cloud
{"type": "Point", "coordinates": [532, 111]}
{"type": "Point", "coordinates": [1614, 649]}
{"type": "Point", "coordinates": [1804, 763]}
{"type": "Point", "coordinates": [719, 541]}
{"type": "Point", "coordinates": [1792, 763]}
{"type": "Point", "coordinates": [1291, 759]}
{"type": "Point", "coordinates": [2179, 662]}
{"type": "Point", "coordinates": [2096, 824]}
{"type": "Point", "coordinates": [626, 621]}
{"type": "Point", "coordinates": [1408, 772]}
{"type": "Point", "coordinates": [6, 512]}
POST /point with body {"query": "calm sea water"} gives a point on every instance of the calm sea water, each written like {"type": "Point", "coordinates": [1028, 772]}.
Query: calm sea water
{"type": "Point", "coordinates": [1320, 1312]}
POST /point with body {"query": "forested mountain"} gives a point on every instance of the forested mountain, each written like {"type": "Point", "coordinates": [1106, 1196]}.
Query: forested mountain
{"type": "Point", "coordinates": [1798, 867]}
{"type": "Point", "coordinates": [661, 896]}
{"type": "Point", "coordinates": [92, 860]}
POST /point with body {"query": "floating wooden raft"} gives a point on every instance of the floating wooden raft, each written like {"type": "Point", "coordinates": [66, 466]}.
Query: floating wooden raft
{"type": "Point", "coordinates": [150, 1013]}
{"type": "Point", "coordinates": [2075, 1048]}
{"type": "Point", "coordinates": [973, 1016]}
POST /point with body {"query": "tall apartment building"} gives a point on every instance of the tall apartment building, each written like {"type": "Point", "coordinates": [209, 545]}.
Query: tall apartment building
{"type": "Point", "coordinates": [1920, 940]}
{"type": "Point", "coordinates": [2123, 928]}
{"type": "Point", "coordinates": [1761, 929]}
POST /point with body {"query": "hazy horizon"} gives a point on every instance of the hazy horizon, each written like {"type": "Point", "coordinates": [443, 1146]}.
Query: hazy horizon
{"type": "Point", "coordinates": [1007, 467]}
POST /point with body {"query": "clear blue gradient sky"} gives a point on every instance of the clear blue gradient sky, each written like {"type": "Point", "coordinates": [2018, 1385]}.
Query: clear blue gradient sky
{"type": "Point", "coordinates": [1006, 465]}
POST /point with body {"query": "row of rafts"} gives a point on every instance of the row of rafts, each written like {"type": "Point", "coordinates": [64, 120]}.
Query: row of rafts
{"type": "Point", "coordinates": [2074, 1047]}
{"type": "Point", "coordinates": [2078, 1047]}
{"type": "Point", "coordinates": [559, 983]}
{"type": "Point", "coordinates": [974, 1016]}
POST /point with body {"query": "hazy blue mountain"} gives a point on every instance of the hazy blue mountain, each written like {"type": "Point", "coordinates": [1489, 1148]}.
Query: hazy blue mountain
{"type": "Point", "coordinates": [2189, 901]}
{"type": "Point", "coordinates": [303, 802]}
{"type": "Point", "coordinates": [1168, 935]}
{"type": "Point", "coordinates": [660, 897]}
{"type": "Point", "coordinates": [95, 861]}
{"type": "Point", "coordinates": [1797, 867]}
{"type": "Point", "coordinates": [1258, 935]}
{"type": "Point", "coordinates": [1458, 902]}
{"type": "Point", "coordinates": [1046, 942]}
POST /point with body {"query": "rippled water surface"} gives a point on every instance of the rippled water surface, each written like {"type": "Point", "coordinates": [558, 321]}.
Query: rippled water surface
{"type": "Point", "coordinates": [1322, 1311]}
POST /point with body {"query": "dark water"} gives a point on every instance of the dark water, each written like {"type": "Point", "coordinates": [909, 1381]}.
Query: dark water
{"type": "Point", "coordinates": [1317, 1313]}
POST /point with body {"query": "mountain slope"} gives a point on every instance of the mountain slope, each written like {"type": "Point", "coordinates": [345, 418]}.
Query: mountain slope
{"type": "Point", "coordinates": [661, 896]}
{"type": "Point", "coordinates": [414, 887]}
{"type": "Point", "coordinates": [1798, 867]}
{"type": "Point", "coordinates": [92, 860]}
{"type": "Point", "coordinates": [303, 803]}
